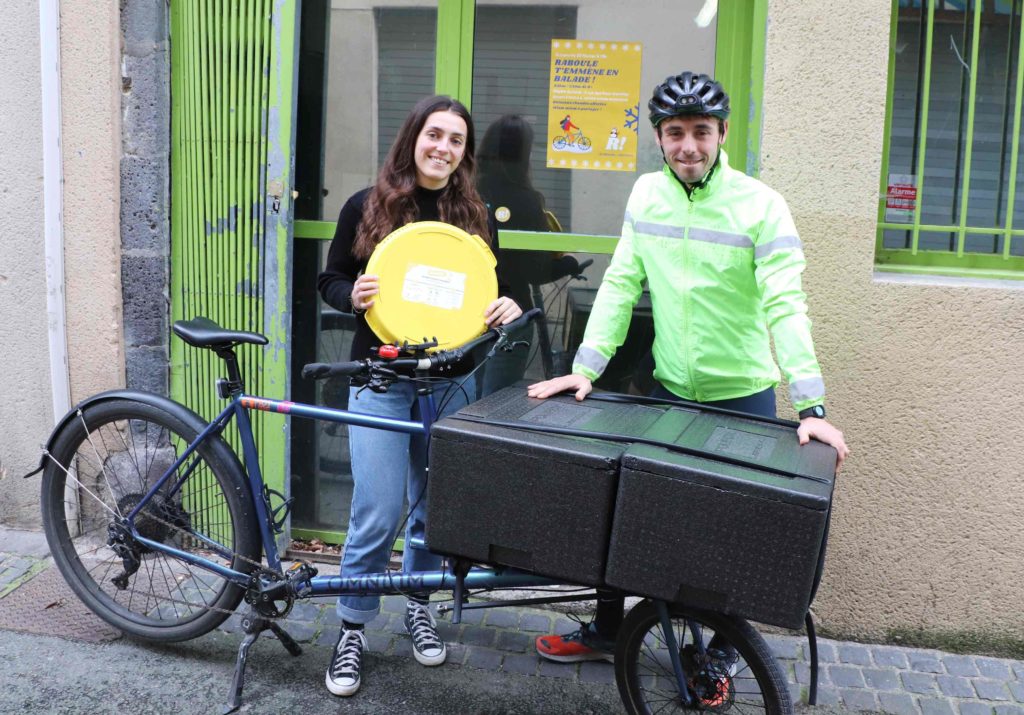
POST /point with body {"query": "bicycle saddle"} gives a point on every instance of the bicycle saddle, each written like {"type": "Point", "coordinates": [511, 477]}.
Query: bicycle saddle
{"type": "Point", "coordinates": [204, 333]}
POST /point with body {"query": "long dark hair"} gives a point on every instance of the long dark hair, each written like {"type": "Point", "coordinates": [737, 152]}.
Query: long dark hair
{"type": "Point", "coordinates": [391, 202]}
{"type": "Point", "coordinates": [505, 152]}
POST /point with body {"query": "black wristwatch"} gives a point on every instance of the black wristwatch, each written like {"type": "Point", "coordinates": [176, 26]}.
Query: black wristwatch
{"type": "Point", "coordinates": [815, 411]}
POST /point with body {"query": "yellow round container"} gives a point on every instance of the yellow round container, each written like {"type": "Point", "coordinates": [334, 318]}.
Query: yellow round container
{"type": "Point", "coordinates": [436, 281]}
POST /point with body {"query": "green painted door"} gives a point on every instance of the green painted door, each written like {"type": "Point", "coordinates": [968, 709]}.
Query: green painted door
{"type": "Point", "coordinates": [232, 99]}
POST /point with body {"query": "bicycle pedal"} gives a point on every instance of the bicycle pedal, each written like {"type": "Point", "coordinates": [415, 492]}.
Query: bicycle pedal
{"type": "Point", "coordinates": [302, 566]}
{"type": "Point", "coordinates": [298, 577]}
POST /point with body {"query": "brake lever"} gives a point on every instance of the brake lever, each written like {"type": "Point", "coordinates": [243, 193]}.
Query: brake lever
{"type": "Point", "coordinates": [509, 347]}
{"type": "Point", "coordinates": [379, 380]}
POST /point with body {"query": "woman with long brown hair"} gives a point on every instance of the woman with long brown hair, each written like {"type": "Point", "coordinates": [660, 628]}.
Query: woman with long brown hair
{"type": "Point", "coordinates": [428, 175]}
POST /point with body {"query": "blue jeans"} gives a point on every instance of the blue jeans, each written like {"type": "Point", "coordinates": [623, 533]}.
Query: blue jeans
{"type": "Point", "coordinates": [387, 467]}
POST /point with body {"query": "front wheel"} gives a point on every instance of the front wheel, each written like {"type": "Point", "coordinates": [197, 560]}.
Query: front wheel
{"type": "Point", "coordinates": [101, 466]}
{"type": "Point", "coordinates": [735, 673]}
{"type": "Point", "coordinates": [583, 143]}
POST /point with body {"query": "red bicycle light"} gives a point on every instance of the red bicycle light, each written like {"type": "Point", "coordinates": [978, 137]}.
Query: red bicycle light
{"type": "Point", "coordinates": [387, 351]}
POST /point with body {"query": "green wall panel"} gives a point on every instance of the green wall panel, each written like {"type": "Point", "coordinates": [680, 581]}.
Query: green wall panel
{"type": "Point", "coordinates": [232, 65]}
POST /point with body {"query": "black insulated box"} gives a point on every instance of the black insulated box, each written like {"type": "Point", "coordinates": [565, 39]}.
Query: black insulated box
{"type": "Point", "coordinates": [740, 531]}
{"type": "Point", "coordinates": [524, 499]}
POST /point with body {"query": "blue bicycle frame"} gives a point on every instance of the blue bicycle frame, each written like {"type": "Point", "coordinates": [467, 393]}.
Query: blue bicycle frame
{"type": "Point", "coordinates": [365, 584]}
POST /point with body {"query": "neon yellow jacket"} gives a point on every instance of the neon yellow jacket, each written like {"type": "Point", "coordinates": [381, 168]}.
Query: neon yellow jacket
{"type": "Point", "coordinates": [723, 266]}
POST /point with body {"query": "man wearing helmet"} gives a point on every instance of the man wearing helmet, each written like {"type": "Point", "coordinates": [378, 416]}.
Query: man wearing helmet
{"type": "Point", "coordinates": [720, 254]}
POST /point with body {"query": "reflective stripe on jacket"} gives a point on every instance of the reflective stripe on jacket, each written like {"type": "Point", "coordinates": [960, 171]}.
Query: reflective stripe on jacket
{"type": "Point", "coordinates": [723, 266]}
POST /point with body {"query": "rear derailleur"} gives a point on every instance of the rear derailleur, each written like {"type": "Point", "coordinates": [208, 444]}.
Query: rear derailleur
{"type": "Point", "coordinates": [121, 540]}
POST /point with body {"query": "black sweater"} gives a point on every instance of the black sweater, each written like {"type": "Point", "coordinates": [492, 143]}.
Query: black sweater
{"type": "Point", "coordinates": [336, 281]}
{"type": "Point", "coordinates": [524, 210]}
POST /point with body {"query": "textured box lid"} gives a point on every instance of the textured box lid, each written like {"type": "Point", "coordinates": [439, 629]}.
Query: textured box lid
{"type": "Point", "coordinates": [745, 455]}
{"type": "Point", "coordinates": [512, 406]}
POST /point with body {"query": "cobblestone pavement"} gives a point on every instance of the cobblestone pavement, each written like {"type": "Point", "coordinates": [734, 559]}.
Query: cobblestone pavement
{"type": "Point", "coordinates": [16, 569]}
{"type": "Point", "coordinates": [853, 676]}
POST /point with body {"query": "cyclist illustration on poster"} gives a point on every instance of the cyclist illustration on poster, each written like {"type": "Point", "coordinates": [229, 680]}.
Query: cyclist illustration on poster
{"type": "Point", "coordinates": [594, 86]}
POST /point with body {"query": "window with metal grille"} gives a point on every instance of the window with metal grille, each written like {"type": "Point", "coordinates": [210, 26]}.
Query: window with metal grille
{"type": "Point", "coordinates": [951, 175]}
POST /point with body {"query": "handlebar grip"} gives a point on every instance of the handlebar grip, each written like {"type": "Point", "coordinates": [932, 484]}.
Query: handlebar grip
{"type": "Point", "coordinates": [319, 370]}
{"type": "Point", "coordinates": [522, 320]}
{"type": "Point", "coordinates": [584, 265]}
{"type": "Point", "coordinates": [447, 357]}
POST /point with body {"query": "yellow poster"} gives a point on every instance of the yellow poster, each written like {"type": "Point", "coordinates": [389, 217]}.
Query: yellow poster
{"type": "Point", "coordinates": [594, 105]}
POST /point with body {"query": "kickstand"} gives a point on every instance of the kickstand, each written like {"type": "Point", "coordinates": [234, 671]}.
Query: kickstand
{"type": "Point", "coordinates": [253, 625]}
{"type": "Point", "coordinates": [812, 642]}
{"type": "Point", "coordinates": [460, 568]}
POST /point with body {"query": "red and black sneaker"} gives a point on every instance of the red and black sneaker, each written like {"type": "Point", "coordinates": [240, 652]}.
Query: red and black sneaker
{"type": "Point", "coordinates": [581, 644]}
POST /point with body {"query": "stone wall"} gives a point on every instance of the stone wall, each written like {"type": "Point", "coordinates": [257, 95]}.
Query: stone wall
{"type": "Point", "coordinates": [145, 199]}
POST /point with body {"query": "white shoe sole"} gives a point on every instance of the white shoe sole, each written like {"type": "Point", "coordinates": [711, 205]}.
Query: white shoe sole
{"type": "Point", "coordinates": [606, 657]}
{"type": "Point", "coordinates": [342, 690]}
{"type": "Point", "coordinates": [430, 660]}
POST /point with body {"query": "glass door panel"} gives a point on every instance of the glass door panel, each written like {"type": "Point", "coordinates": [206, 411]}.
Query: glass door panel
{"type": "Point", "coordinates": [511, 86]}
{"type": "Point", "coordinates": [362, 66]}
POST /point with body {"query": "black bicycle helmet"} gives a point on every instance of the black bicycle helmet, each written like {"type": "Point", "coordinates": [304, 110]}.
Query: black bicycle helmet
{"type": "Point", "coordinates": [688, 94]}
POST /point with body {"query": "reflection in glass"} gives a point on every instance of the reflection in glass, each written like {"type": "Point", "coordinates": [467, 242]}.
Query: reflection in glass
{"type": "Point", "coordinates": [511, 76]}
{"type": "Point", "coordinates": [505, 184]}
{"type": "Point", "coordinates": [361, 68]}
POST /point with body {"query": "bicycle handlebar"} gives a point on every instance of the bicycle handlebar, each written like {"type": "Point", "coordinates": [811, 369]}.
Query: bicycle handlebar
{"type": "Point", "coordinates": [584, 265]}
{"type": "Point", "coordinates": [442, 358]}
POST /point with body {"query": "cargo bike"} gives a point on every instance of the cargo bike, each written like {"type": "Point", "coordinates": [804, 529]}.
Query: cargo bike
{"type": "Point", "coordinates": [162, 530]}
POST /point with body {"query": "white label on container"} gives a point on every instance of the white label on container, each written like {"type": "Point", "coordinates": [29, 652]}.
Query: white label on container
{"type": "Point", "coordinates": [436, 287]}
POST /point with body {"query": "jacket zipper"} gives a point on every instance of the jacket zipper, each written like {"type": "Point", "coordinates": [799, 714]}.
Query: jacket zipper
{"type": "Point", "coordinates": [688, 348]}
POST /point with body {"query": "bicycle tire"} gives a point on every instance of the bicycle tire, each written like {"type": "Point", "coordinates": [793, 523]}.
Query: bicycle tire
{"type": "Point", "coordinates": [109, 456]}
{"type": "Point", "coordinates": [646, 680]}
{"type": "Point", "coordinates": [559, 143]}
{"type": "Point", "coordinates": [584, 143]}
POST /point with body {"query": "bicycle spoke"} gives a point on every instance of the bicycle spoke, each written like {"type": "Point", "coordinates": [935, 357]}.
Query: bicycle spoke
{"type": "Point", "coordinates": [102, 464]}
{"type": "Point", "coordinates": [132, 450]}
{"type": "Point", "coordinates": [653, 683]}
{"type": "Point", "coordinates": [80, 485]}
{"type": "Point", "coordinates": [116, 452]}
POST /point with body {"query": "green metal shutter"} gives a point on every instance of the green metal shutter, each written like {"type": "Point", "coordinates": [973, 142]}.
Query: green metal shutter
{"type": "Point", "coordinates": [232, 65]}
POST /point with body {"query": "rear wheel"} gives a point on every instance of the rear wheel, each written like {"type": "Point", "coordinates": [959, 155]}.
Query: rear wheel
{"type": "Point", "coordinates": [749, 681]}
{"type": "Point", "coordinates": [102, 464]}
{"type": "Point", "coordinates": [559, 143]}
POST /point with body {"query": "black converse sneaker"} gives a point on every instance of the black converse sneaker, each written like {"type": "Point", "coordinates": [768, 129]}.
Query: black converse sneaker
{"type": "Point", "coordinates": [427, 646]}
{"type": "Point", "coordinates": [343, 672]}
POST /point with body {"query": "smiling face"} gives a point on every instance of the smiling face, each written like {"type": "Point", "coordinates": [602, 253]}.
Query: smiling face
{"type": "Point", "coordinates": [440, 147]}
{"type": "Point", "coordinates": [690, 145]}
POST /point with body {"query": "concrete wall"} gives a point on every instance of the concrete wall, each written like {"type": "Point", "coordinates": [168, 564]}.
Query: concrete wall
{"type": "Point", "coordinates": [91, 97]}
{"type": "Point", "coordinates": [923, 375]}
{"type": "Point", "coordinates": [26, 411]}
